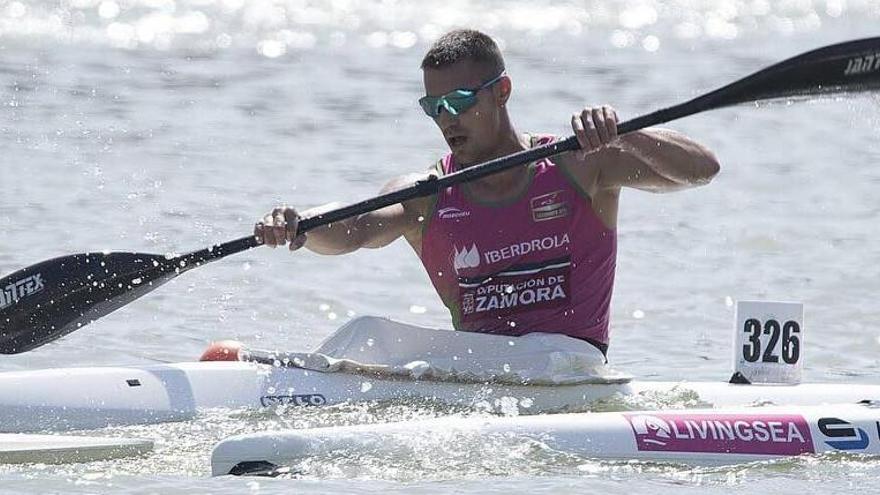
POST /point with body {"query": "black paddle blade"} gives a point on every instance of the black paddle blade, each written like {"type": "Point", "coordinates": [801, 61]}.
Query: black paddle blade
{"type": "Point", "coordinates": [849, 67]}
{"type": "Point", "coordinates": [51, 299]}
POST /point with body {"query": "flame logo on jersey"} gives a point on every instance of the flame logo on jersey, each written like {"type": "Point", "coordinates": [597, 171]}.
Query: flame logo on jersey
{"type": "Point", "coordinates": [466, 258]}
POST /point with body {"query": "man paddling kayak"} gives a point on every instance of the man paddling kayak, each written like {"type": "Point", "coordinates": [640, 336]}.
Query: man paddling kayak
{"type": "Point", "coordinates": [653, 160]}
{"type": "Point", "coordinates": [532, 249]}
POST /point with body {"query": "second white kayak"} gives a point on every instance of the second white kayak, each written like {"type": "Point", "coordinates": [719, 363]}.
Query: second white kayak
{"type": "Point", "coordinates": [697, 436]}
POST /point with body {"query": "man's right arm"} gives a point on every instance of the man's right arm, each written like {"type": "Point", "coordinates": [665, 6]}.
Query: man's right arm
{"type": "Point", "coordinates": [371, 230]}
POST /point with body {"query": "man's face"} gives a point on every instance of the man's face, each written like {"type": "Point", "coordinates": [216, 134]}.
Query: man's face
{"type": "Point", "coordinates": [473, 133]}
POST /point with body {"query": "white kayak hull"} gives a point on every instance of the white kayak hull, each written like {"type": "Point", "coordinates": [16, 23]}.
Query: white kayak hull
{"type": "Point", "coordinates": [86, 398]}
{"type": "Point", "coordinates": [697, 436]}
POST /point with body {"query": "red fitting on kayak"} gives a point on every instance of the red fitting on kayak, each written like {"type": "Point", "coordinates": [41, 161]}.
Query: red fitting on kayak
{"type": "Point", "coordinates": [223, 350]}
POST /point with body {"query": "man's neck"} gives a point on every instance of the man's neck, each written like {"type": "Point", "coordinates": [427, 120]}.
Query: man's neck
{"type": "Point", "coordinates": [505, 184]}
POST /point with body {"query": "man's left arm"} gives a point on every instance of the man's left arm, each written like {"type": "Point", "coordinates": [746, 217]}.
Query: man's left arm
{"type": "Point", "coordinates": [656, 160]}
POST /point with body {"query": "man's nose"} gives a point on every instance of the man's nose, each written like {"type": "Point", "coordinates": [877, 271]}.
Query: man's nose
{"type": "Point", "coordinates": [445, 119]}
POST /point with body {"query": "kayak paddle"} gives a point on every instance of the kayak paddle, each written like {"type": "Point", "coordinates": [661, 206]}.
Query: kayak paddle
{"type": "Point", "coordinates": [53, 298]}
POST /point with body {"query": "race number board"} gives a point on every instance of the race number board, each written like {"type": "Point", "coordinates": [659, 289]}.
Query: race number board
{"type": "Point", "coordinates": [768, 341]}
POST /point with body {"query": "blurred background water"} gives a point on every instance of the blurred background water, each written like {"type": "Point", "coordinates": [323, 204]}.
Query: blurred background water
{"type": "Point", "coordinates": [165, 126]}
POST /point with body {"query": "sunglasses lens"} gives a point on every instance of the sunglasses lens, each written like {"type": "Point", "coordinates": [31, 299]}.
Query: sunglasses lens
{"type": "Point", "coordinates": [459, 103]}
{"type": "Point", "coordinates": [431, 105]}
{"type": "Point", "coordinates": [455, 103]}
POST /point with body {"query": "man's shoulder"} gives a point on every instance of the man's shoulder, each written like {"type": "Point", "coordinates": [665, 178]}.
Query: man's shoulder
{"type": "Point", "coordinates": [581, 171]}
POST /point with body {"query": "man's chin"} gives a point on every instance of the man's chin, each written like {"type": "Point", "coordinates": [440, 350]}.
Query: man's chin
{"type": "Point", "coordinates": [464, 156]}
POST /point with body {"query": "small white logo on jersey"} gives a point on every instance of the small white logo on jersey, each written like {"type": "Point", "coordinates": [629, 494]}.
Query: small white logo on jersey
{"type": "Point", "coordinates": [452, 212]}
{"type": "Point", "coordinates": [466, 258]}
{"type": "Point", "coordinates": [549, 206]}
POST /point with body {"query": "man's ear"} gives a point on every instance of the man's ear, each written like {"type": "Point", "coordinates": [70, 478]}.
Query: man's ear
{"type": "Point", "coordinates": [504, 89]}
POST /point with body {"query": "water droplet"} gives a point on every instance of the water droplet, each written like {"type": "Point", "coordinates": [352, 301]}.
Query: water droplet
{"type": "Point", "coordinates": [271, 48]}
{"type": "Point", "coordinates": [651, 43]}
{"type": "Point", "coordinates": [108, 9]}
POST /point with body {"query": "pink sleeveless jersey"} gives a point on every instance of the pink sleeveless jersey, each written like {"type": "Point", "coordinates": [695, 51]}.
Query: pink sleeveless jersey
{"type": "Point", "coordinates": [543, 262]}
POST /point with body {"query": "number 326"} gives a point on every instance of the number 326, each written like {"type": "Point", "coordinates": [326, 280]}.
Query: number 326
{"type": "Point", "coordinates": [791, 344]}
